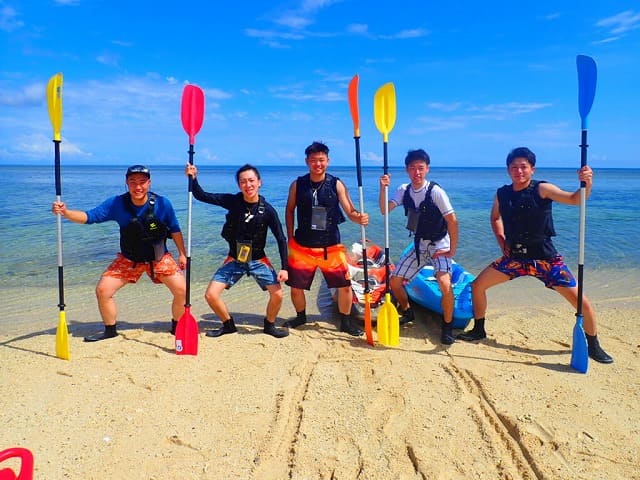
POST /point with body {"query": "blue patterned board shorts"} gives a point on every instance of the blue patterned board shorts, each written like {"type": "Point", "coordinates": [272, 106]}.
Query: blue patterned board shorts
{"type": "Point", "coordinates": [552, 272]}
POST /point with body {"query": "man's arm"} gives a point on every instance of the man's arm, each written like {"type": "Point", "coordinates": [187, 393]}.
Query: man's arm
{"type": "Point", "coordinates": [497, 225]}
{"type": "Point", "coordinates": [290, 210]}
{"type": "Point", "coordinates": [76, 216]}
{"type": "Point", "coordinates": [348, 207]}
{"type": "Point", "coordinates": [385, 180]}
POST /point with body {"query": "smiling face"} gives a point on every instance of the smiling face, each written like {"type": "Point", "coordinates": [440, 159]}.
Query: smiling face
{"type": "Point", "coordinates": [417, 171]}
{"type": "Point", "coordinates": [138, 185]}
{"type": "Point", "coordinates": [249, 184]}
{"type": "Point", "coordinates": [317, 163]}
{"type": "Point", "coordinates": [520, 171]}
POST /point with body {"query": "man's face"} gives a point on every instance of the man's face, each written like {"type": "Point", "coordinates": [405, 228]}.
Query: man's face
{"type": "Point", "coordinates": [138, 185]}
{"type": "Point", "coordinates": [249, 184]}
{"type": "Point", "coordinates": [417, 171]}
{"type": "Point", "coordinates": [520, 171]}
{"type": "Point", "coordinates": [317, 163]}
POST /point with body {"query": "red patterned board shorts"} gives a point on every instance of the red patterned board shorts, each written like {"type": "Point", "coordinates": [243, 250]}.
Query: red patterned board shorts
{"type": "Point", "coordinates": [303, 262]}
{"type": "Point", "coordinates": [131, 271]}
{"type": "Point", "coordinates": [552, 272]}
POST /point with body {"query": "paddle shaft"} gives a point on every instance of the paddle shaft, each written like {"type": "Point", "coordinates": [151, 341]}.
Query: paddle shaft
{"type": "Point", "coordinates": [385, 169]}
{"type": "Point", "coordinates": [189, 204]}
{"type": "Point", "coordinates": [583, 163]}
{"type": "Point", "coordinates": [361, 204]}
{"type": "Point", "coordinates": [61, 304]}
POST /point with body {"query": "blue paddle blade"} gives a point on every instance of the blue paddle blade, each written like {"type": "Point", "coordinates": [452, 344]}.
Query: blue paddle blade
{"type": "Point", "coordinates": [580, 350]}
{"type": "Point", "coordinates": [587, 77]}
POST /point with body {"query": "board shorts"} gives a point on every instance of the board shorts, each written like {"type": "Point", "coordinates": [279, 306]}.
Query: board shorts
{"type": "Point", "coordinates": [232, 270]}
{"type": "Point", "coordinates": [553, 272]}
{"type": "Point", "coordinates": [131, 271]}
{"type": "Point", "coordinates": [408, 266]}
{"type": "Point", "coordinates": [303, 262]}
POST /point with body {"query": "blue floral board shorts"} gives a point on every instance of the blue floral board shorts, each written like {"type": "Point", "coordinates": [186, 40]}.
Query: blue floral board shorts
{"type": "Point", "coordinates": [553, 272]}
{"type": "Point", "coordinates": [232, 270]}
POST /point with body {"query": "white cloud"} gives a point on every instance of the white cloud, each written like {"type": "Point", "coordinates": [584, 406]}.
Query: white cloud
{"type": "Point", "coordinates": [9, 19]}
{"type": "Point", "coordinates": [621, 22]}
{"type": "Point", "coordinates": [32, 94]}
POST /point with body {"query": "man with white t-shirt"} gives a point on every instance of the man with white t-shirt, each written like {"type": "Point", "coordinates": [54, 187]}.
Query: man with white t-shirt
{"type": "Point", "coordinates": [434, 225]}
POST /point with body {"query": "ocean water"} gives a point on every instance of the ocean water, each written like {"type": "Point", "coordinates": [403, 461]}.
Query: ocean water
{"type": "Point", "coordinates": [29, 257]}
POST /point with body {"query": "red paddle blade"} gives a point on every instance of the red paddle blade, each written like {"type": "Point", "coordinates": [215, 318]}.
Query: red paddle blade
{"type": "Point", "coordinates": [353, 104]}
{"type": "Point", "coordinates": [192, 111]}
{"type": "Point", "coordinates": [187, 334]}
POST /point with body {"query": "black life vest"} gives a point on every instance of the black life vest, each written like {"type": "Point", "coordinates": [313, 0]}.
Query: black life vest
{"type": "Point", "coordinates": [137, 239]}
{"type": "Point", "coordinates": [326, 195]}
{"type": "Point", "coordinates": [431, 224]}
{"type": "Point", "coordinates": [246, 224]}
{"type": "Point", "coordinates": [528, 222]}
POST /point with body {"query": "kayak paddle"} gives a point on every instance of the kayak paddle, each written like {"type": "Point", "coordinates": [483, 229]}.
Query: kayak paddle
{"type": "Point", "coordinates": [355, 116]}
{"type": "Point", "coordinates": [54, 103]}
{"type": "Point", "coordinates": [192, 113]}
{"type": "Point", "coordinates": [384, 112]}
{"type": "Point", "coordinates": [587, 76]}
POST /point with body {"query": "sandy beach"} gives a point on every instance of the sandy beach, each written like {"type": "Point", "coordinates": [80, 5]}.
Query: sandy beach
{"type": "Point", "coordinates": [320, 404]}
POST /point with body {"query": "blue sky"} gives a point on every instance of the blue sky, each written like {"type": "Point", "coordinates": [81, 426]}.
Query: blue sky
{"type": "Point", "coordinates": [472, 79]}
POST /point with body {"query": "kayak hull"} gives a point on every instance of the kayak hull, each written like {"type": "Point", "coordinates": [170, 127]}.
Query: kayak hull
{"type": "Point", "coordinates": [423, 289]}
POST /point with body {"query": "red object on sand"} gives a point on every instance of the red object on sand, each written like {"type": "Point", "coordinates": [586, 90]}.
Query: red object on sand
{"type": "Point", "coordinates": [26, 467]}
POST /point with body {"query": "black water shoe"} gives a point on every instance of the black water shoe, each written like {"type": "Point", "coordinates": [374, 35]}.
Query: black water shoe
{"type": "Point", "coordinates": [446, 337]}
{"type": "Point", "coordinates": [595, 350]}
{"type": "Point", "coordinates": [271, 329]}
{"type": "Point", "coordinates": [347, 327]}
{"type": "Point", "coordinates": [407, 316]}
{"type": "Point", "coordinates": [301, 319]}
{"type": "Point", "coordinates": [109, 332]}
{"type": "Point", "coordinates": [227, 327]}
{"type": "Point", "coordinates": [472, 335]}
{"type": "Point", "coordinates": [174, 324]}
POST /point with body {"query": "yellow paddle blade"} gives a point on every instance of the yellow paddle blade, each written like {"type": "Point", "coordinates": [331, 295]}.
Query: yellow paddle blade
{"type": "Point", "coordinates": [388, 323]}
{"type": "Point", "coordinates": [54, 101]}
{"type": "Point", "coordinates": [384, 109]}
{"type": "Point", "coordinates": [62, 338]}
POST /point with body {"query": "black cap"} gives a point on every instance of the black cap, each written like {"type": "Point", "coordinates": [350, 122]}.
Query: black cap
{"type": "Point", "coordinates": [138, 169]}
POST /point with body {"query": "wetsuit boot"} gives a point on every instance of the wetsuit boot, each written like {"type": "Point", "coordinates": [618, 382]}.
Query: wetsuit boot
{"type": "Point", "coordinates": [301, 319]}
{"type": "Point", "coordinates": [271, 329]}
{"type": "Point", "coordinates": [347, 327]}
{"type": "Point", "coordinates": [476, 333]}
{"type": "Point", "coordinates": [228, 326]}
{"type": "Point", "coordinates": [109, 332]}
{"type": "Point", "coordinates": [446, 337]}
{"type": "Point", "coordinates": [595, 350]}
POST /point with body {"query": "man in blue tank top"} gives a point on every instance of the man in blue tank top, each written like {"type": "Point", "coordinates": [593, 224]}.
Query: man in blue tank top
{"type": "Point", "coordinates": [522, 223]}
{"type": "Point", "coordinates": [145, 220]}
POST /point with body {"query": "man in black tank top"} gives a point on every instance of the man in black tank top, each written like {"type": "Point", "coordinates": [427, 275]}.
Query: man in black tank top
{"type": "Point", "coordinates": [523, 227]}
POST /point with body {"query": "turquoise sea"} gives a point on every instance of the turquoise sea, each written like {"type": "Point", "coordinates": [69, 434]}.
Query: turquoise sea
{"type": "Point", "coordinates": [29, 259]}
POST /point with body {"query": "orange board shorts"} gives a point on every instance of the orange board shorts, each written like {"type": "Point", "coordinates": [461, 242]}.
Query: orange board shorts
{"type": "Point", "coordinates": [131, 271]}
{"type": "Point", "coordinates": [303, 262]}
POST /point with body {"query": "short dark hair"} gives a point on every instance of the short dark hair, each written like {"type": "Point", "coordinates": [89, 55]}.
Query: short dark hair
{"type": "Point", "coordinates": [316, 147]}
{"type": "Point", "coordinates": [419, 154]}
{"type": "Point", "coordinates": [521, 152]}
{"type": "Point", "coordinates": [244, 168]}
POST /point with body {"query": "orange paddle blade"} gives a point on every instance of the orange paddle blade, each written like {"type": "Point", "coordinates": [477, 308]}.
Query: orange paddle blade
{"type": "Point", "coordinates": [353, 104]}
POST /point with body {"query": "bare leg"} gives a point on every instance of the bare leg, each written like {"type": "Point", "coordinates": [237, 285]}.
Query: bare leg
{"type": "Point", "coordinates": [105, 291]}
{"type": "Point", "coordinates": [213, 296]}
{"type": "Point", "coordinates": [298, 299]}
{"type": "Point", "coordinates": [396, 285]}
{"type": "Point", "coordinates": [345, 300]}
{"type": "Point", "coordinates": [571, 295]}
{"type": "Point", "coordinates": [275, 301]}
{"type": "Point", "coordinates": [178, 288]}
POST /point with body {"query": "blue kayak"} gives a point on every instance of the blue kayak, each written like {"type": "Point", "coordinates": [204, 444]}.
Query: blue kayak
{"type": "Point", "coordinates": [423, 289]}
